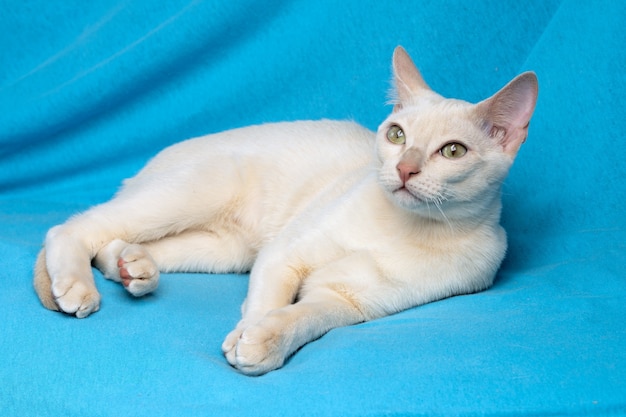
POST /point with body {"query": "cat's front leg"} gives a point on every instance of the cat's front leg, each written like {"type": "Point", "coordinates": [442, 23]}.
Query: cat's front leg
{"type": "Point", "coordinates": [344, 292]}
{"type": "Point", "coordinates": [275, 281]}
{"type": "Point", "coordinates": [266, 345]}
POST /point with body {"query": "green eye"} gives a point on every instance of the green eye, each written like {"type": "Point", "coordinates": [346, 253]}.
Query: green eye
{"type": "Point", "coordinates": [395, 134]}
{"type": "Point", "coordinates": [453, 150]}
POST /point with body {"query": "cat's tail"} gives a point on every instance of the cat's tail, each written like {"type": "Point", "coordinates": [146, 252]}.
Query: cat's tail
{"type": "Point", "coordinates": [42, 282]}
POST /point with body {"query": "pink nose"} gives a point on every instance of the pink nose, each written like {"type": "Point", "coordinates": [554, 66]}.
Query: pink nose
{"type": "Point", "coordinates": [407, 169]}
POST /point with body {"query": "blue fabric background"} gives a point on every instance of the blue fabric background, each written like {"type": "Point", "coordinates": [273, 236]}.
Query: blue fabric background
{"type": "Point", "coordinates": [89, 91]}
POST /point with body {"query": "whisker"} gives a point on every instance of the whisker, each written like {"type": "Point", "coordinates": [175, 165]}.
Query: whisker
{"type": "Point", "coordinates": [444, 215]}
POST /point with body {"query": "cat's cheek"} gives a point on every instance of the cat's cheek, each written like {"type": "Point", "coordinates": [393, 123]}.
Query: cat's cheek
{"type": "Point", "coordinates": [462, 171]}
{"type": "Point", "coordinates": [389, 179]}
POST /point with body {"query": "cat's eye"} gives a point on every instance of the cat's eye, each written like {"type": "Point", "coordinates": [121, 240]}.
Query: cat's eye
{"type": "Point", "coordinates": [453, 150]}
{"type": "Point", "coordinates": [395, 134]}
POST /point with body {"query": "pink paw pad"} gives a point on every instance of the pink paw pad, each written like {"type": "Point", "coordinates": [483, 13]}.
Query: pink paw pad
{"type": "Point", "coordinates": [126, 278]}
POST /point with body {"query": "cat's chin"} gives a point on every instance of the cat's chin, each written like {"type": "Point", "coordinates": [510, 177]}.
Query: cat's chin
{"type": "Point", "coordinates": [404, 198]}
{"type": "Point", "coordinates": [416, 204]}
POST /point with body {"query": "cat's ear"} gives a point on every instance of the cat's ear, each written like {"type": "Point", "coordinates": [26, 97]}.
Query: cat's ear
{"type": "Point", "coordinates": [408, 81]}
{"type": "Point", "coordinates": [506, 115]}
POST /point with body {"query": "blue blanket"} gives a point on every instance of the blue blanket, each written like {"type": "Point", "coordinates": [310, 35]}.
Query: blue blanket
{"type": "Point", "coordinates": [90, 90]}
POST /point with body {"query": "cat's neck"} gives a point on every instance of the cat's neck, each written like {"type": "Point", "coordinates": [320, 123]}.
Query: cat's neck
{"type": "Point", "coordinates": [446, 221]}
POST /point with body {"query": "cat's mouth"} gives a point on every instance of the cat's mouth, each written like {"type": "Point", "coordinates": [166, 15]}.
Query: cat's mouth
{"type": "Point", "coordinates": [403, 192]}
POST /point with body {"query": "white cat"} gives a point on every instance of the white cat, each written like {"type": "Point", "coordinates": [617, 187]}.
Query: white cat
{"type": "Point", "coordinates": [337, 224]}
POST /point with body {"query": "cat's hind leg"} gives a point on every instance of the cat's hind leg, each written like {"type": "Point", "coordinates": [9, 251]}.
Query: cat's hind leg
{"type": "Point", "coordinates": [137, 266]}
{"type": "Point", "coordinates": [222, 251]}
{"type": "Point", "coordinates": [130, 264]}
{"type": "Point", "coordinates": [63, 274]}
{"type": "Point", "coordinates": [62, 281]}
{"type": "Point", "coordinates": [143, 211]}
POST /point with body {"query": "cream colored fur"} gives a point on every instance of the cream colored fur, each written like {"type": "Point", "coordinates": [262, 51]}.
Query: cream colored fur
{"type": "Point", "coordinates": [336, 224]}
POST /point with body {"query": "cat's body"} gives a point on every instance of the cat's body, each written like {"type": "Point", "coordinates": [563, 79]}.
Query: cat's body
{"type": "Point", "coordinates": [338, 225]}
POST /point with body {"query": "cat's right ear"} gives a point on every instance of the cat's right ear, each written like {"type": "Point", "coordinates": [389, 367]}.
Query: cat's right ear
{"type": "Point", "coordinates": [407, 79]}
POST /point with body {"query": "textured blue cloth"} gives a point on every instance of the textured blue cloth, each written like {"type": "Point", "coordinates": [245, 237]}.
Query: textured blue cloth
{"type": "Point", "coordinates": [89, 90]}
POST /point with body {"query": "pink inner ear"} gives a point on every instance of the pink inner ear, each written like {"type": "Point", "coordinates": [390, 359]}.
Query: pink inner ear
{"type": "Point", "coordinates": [523, 105]}
{"type": "Point", "coordinates": [509, 111]}
{"type": "Point", "coordinates": [513, 139]}
{"type": "Point", "coordinates": [497, 131]}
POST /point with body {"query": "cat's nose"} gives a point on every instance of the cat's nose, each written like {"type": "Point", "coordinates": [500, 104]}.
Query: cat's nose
{"type": "Point", "coordinates": [407, 169]}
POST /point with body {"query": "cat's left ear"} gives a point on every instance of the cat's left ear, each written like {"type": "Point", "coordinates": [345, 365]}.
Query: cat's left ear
{"type": "Point", "coordinates": [507, 113]}
{"type": "Point", "coordinates": [408, 81]}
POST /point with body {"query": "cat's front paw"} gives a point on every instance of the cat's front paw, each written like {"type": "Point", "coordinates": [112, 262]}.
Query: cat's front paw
{"type": "Point", "coordinates": [256, 350]}
{"type": "Point", "coordinates": [138, 271]}
{"type": "Point", "coordinates": [76, 297]}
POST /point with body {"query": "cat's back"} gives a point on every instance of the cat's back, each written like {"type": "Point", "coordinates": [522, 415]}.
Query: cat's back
{"type": "Point", "coordinates": [263, 175]}
{"type": "Point", "coordinates": [286, 148]}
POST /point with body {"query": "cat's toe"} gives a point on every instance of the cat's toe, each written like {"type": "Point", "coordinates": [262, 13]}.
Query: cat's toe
{"type": "Point", "coordinates": [229, 347]}
{"type": "Point", "coordinates": [76, 298]}
{"type": "Point", "coordinates": [138, 271]}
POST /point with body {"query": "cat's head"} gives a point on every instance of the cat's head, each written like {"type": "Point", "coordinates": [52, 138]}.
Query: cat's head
{"type": "Point", "coordinates": [446, 159]}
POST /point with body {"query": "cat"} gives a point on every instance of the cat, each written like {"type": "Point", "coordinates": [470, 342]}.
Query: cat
{"type": "Point", "coordinates": [336, 224]}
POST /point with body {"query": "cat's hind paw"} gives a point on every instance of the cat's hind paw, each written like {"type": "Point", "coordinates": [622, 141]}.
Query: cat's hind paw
{"type": "Point", "coordinates": [69, 295]}
{"type": "Point", "coordinates": [138, 271]}
{"type": "Point", "coordinates": [76, 297]}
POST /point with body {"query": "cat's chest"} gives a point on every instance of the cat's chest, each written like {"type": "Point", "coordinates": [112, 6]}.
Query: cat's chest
{"type": "Point", "coordinates": [404, 246]}
{"type": "Point", "coordinates": [363, 219]}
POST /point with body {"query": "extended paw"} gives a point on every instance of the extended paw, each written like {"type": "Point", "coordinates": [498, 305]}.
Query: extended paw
{"type": "Point", "coordinates": [256, 350]}
{"type": "Point", "coordinates": [76, 297]}
{"type": "Point", "coordinates": [138, 271]}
